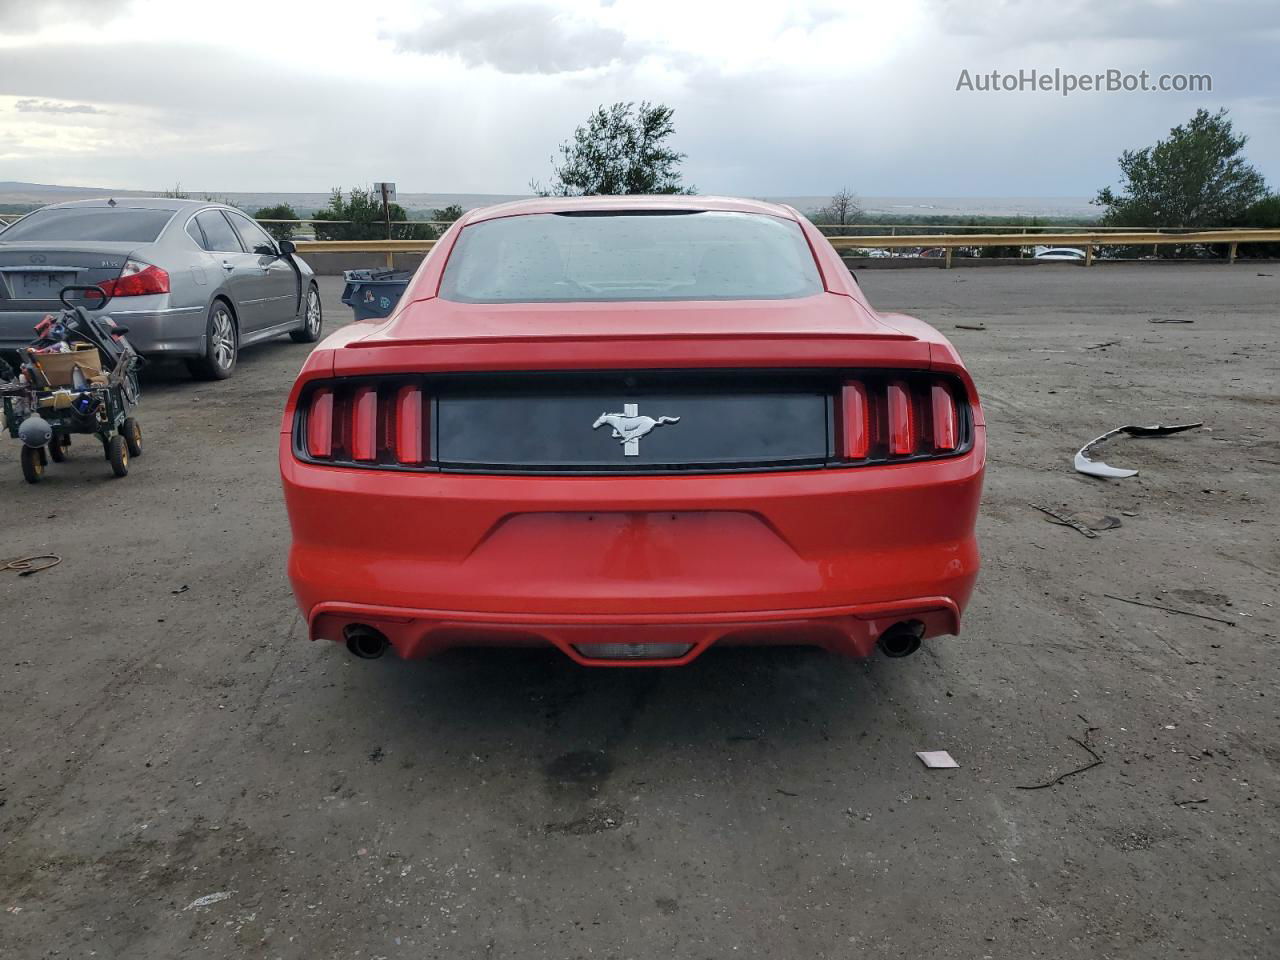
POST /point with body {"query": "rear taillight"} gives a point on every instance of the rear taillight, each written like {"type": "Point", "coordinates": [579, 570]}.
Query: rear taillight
{"type": "Point", "coordinates": [883, 419]}
{"type": "Point", "coordinates": [369, 423]}
{"type": "Point", "coordinates": [137, 279]}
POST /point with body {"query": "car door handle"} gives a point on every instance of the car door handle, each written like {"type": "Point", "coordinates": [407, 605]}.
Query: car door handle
{"type": "Point", "coordinates": [228, 266]}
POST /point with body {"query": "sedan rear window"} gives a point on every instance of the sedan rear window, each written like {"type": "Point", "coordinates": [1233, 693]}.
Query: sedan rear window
{"type": "Point", "coordinates": [127, 224]}
{"type": "Point", "coordinates": [638, 255]}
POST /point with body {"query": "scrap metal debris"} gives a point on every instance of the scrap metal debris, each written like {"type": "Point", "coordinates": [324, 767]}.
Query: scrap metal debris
{"type": "Point", "coordinates": [1066, 519]}
{"type": "Point", "coordinates": [1170, 320]}
{"type": "Point", "coordinates": [1161, 606]}
{"type": "Point", "coordinates": [969, 326]}
{"type": "Point", "coordinates": [26, 566]}
{"type": "Point", "coordinates": [1097, 761]}
{"type": "Point", "coordinates": [1103, 345]}
{"type": "Point", "coordinates": [1096, 468]}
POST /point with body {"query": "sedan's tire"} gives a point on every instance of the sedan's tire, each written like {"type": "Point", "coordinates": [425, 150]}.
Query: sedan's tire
{"type": "Point", "coordinates": [221, 345]}
{"type": "Point", "coordinates": [311, 318]}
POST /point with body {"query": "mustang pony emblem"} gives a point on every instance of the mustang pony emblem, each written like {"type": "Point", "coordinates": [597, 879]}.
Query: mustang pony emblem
{"type": "Point", "coordinates": [629, 426]}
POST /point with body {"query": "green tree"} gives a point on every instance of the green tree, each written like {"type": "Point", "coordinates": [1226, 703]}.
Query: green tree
{"type": "Point", "coordinates": [363, 208]}
{"type": "Point", "coordinates": [621, 149]}
{"type": "Point", "coordinates": [1195, 178]}
{"type": "Point", "coordinates": [281, 211]}
{"type": "Point", "coordinates": [447, 214]}
{"type": "Point", "coordinates": [1263, 215]}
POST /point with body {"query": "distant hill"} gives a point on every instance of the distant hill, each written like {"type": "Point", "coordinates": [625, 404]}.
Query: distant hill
{"type": "Point", "coordinates": [895, 209]}
{"type": "Point", "coordinates": [14, 193]}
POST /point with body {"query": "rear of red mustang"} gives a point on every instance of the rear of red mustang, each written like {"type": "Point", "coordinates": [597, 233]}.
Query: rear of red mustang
{"type": "Point", "coordinates": [632, 428]}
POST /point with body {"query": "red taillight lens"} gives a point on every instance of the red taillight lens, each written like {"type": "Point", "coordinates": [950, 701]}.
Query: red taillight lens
{"type": "Point", "coordinates": [946, 419]}
{"type": "Point", "coordinates": [367, 423]}
{"type": "Point", "coordinates": [408, 425]}
{"type": "Point", "coordinates": [902, 420]}
{"type": "Point", "coordinates": [855, 421]}
{"type": "Point", "coordinates": [320, 424]}
{"type": "Point", "coordinates": [137, 279]}
{"type": "Point", "coordinates": [364, 424]}
{"type": "Point", "coordinates": [879, 417]}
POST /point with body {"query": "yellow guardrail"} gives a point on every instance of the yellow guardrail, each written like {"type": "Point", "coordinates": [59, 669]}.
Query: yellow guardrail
{"type": "Point", "coordinates": [950, 241]}
{"type": "Point", "coordinates": [947, 241]}
{"type": "Point", "coordinates": [389, 247]}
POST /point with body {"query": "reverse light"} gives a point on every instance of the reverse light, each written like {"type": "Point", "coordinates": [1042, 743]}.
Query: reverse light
{"type": "Point", "coordinates": [137, 279]}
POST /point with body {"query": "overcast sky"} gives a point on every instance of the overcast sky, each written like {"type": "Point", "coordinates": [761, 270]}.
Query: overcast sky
{"type": "Point", "coordinates": [769, 98]}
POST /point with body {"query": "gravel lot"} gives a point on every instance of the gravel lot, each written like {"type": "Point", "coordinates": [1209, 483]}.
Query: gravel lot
{"type": "Point", "coordinates": [183, 774]}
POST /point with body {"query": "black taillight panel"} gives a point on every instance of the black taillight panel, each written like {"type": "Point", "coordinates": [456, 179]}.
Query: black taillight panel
{"type": "Point", "coordinates": [711, 421]}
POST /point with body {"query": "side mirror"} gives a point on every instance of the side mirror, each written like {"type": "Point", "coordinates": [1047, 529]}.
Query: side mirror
{"type": "Point", "coordinates": [287, 248]}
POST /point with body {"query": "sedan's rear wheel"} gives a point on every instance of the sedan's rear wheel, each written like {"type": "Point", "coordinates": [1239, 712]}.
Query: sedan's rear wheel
{"type": "Point", "coordinates": [221, 345]}
{"type": "Point", "coordinates": [311, 318]}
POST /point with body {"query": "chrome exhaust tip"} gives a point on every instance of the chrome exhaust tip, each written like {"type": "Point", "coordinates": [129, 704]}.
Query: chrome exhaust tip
{"type": "Point", "coordinates": [902, 639]}
{"type": "Point", "coordinates": [364, 641]}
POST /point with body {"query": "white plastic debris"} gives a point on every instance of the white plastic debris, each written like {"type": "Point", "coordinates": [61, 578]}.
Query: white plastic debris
{"type": "Point", "coordinates": [937, 759]}
{"type": "Point", "coordinates": [209, 899]}
{"type": "Point", "coordinates": [1096, 468]}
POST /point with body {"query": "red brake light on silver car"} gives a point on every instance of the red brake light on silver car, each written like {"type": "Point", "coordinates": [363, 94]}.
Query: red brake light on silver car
{"type": "Point", "coordinates": [137, 279]}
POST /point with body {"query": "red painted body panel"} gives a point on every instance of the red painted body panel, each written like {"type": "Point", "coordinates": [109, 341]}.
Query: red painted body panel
{"type": "Point", "coordinates": [831, 557]}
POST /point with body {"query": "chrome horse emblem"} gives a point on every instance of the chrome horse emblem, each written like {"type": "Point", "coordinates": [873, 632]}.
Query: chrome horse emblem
{"type": "Point", "coordinates": [628, 426]}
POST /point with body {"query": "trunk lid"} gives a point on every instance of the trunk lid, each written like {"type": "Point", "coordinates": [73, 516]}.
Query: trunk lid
{"type": "Point", "coordinates": [441, 321]}
{"type": "Point", "coordinates": [32, 273]}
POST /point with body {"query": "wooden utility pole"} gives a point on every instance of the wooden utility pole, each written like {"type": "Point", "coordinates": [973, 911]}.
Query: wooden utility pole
{"type": "Point", "coordinates": [386, 217]}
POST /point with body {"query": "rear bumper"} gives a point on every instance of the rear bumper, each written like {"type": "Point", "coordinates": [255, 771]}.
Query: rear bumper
{"type": "Point", "coordinates": [850, 631]}
{"type": "Point", "coordinates": [824, 557]}
{"type": "Point", "coordinates": [177, 331]}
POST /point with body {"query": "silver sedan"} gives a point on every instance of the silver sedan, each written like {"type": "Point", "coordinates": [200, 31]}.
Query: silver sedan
{"type": "Point", "coordinates": [190, 279]}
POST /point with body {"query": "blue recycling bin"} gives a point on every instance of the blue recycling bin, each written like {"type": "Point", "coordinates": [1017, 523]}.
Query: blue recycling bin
{"type": "Point", "coordinates": [373, 294]}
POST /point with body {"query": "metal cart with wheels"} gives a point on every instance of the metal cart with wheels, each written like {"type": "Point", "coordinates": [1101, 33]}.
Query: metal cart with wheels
{"type": "Point", "coordinates": [44, 412]}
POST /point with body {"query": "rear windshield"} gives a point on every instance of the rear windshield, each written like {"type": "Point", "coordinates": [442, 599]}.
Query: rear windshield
{"type": "Point", "coordinates": [647, 255]}
{"type": "Point", "coordinates": [127, 224]}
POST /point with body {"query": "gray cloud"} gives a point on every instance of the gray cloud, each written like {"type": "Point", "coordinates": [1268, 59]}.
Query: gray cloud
{"type": "Point", "coordinates": [520, 38]}
{"type": "Point", "coordinates": [23, 16]}
{"type": "Point", "coordinates": [196, 111]}
{"type": "Point", "coordinates": [1187, 22]}
{"type": "Point", "coordinates": [32, 105]}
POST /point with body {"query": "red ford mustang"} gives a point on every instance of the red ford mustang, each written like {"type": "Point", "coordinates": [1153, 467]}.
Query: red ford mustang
{"type": "Point", "coordinates": [632, 428]}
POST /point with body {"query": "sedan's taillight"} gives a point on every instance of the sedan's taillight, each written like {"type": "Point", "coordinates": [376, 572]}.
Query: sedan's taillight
{"type": "Point", "coordinates": [366, 423]}
{"type": "Point", "coordinates": [882, 419]}
{"type": "Point", "coordinates": [137, 279]}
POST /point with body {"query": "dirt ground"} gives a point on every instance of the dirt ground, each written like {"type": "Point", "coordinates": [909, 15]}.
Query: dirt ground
{"type": "Point", "coordinates": [183, 774]}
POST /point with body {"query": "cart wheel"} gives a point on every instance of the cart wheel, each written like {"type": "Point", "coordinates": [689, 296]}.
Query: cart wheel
{"type": "Point", "coordinates": [33, 463]}
{"type": "Point", "coordinates": [58, 447]}
{"type": "Point", "coordinates": [118, 454]}
{"type": "Point", "coordinates": [132, 434]}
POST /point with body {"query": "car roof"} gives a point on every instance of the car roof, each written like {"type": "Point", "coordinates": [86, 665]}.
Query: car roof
{"type": "Point", "coordinates": [146, 203]}
{"type": "Point", "coordinates": [516, 208]}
